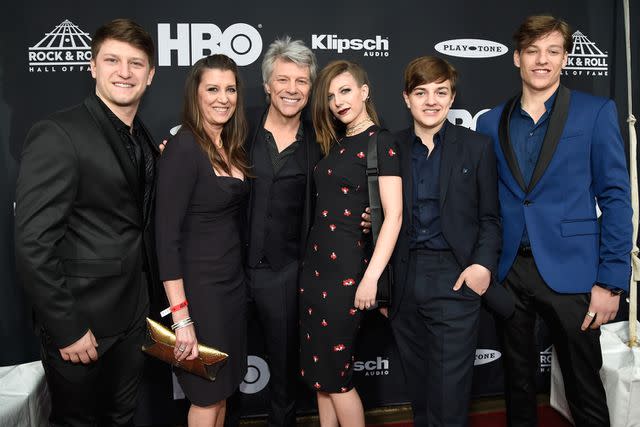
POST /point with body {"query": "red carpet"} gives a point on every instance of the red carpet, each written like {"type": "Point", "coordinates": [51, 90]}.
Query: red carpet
{"type": "Point", "coordinates": [547, 417]}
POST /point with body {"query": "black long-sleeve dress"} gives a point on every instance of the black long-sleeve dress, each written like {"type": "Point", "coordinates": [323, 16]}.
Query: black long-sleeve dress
{"type": "Point", "coordinates": [198, 239]}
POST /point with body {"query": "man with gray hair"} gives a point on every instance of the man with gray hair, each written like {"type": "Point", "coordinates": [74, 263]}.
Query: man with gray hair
{"type": "Point", "coordinates": [283, 151]}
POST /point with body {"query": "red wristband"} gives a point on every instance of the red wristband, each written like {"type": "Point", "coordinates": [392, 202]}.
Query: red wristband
{"type": "Point", "coordinates": [180, 306]}
{"type": "Point", "coordinates": [173, 309]}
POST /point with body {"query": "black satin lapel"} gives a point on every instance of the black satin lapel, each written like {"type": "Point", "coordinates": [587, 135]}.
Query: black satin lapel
{"type": "Point", "coordinates": [250, 144]}
{"type": "Point", "coordinates": [451, 152]}
{"type": "Point", "coordinates": [253, 135]}
{"type": "Point", "coordinates": [152, 202]}
{"type": "Point", "coordinates": [505, 141]}
{"type": "Point", "coordinates": [154, 147]}
{"type": "Point", "coordinates": [307, 213]}
{"type": "Point", "coordinates": [407, 168]}
{"type": "Point", "coordinates": [156, 153]}
{"type": "Point", "coordinates": [111, 135]}
{"type": "Point", "coordinates": [559, 114]}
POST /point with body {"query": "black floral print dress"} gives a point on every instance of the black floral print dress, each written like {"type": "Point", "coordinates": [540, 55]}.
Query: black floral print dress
{"type": "Point", "coordinates": [335, 260]}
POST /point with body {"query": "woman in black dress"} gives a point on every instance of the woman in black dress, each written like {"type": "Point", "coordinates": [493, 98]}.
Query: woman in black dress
{"type": "Point", "coordinates": [199, 206]}
{"type": "Point", "coordinates": [340, 273]}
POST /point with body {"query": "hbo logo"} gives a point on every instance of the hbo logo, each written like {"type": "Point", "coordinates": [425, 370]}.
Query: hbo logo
{"type": "Point", "coordinates": [462, 117]}
{"type": "Point", "coordinates": [241, 42]}
{"type": "Point", "coordinates": [257, 376]}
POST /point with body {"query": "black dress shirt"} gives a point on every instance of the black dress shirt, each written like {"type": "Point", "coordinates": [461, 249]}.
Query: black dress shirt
{"type": "Point", "coordinates": [278, 159]}
{"type": "Point", "coordinates": [138, 145]}
{"type": "Point", "coordinates": [277, 200]}
{"type": "Point", "coordinates": [426, 230]}
{"type": "Point", "coordinates": [526, 138]}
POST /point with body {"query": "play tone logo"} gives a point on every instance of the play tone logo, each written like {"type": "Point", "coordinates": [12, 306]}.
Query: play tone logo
{"type": "Point", "coordinates": [485, 355]}
{"type": "Point", "coordinates": [471, 48]}
{"type": "Point", "coordinates": [63, 49]}
{"type": "Point", "coordinates": [586, 59]}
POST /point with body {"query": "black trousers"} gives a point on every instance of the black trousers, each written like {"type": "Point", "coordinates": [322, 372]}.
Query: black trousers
{"type": "Point", "coordinates": [102, 393]}
{"type": "Point", "coordinates": [273, 297]}
{"type": "Point", "coordinates": [578, 352]}
{"type": "Point", "coordinates": [436, 330]}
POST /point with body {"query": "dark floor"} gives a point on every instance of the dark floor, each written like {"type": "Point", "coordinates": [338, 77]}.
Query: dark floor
{"type": "Point", "coordinates": [390, 414]}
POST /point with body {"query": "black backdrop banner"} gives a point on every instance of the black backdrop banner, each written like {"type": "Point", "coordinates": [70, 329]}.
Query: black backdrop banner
{"type": "Point", "coordinates": [44, 54]}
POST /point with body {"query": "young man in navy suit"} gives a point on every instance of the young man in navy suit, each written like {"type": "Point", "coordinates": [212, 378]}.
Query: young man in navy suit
{"type": "Point", "coordinates": [559, 153]}
{"type": "Point", "coordinates": [448, 248]}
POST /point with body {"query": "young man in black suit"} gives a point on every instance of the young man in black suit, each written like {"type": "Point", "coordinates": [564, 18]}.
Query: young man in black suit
{"type": "Point", "coordinates": [84, 236]}
{"type": "Point", "coordinates": [447, 250]}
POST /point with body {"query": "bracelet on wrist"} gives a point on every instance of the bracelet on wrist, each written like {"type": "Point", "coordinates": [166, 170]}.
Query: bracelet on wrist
{"type": "Point", "coordinates": [182, 323]}
{"type": "Point", "coordinates": [185, 325]}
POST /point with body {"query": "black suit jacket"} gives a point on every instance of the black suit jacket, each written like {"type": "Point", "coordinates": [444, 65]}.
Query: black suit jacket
{"type": "Point", "coordinates": [469, 209]}
{"type": "Point", "coordinates": [313, 155]}
{"type": "Point", "coordinates": [80, 230]}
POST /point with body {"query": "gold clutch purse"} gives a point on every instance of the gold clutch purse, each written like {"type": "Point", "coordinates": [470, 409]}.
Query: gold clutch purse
{"type": "Point", "coordinates": [160, 343]}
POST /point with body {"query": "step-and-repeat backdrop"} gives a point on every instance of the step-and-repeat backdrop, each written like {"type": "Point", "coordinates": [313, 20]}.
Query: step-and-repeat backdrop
{"type": "Point", "coordinates": [44, 52]}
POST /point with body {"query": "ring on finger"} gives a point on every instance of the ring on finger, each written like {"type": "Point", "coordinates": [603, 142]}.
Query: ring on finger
{"type": "Point", "coordinates": [181, 348]}
{"type": "Point", "coordinates": [591, 314]}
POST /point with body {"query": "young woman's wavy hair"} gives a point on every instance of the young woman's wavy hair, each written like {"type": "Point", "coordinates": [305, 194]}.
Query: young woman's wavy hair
{"type": "Point", "coordinates": [234, 131]}
{"type": "Point", "coordinates": [326, 125]}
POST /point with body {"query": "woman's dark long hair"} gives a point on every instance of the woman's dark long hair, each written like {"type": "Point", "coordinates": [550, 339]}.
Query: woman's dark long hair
{"type": "Point", "coordinates": [234, 132]}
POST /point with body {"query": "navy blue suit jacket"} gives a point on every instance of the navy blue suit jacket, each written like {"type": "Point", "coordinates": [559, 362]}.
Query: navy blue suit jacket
{"type": "Point", "coordinates": [468, 206]}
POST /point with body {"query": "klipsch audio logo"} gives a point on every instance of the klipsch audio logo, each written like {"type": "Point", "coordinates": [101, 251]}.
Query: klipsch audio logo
{"type": "Point", "coordinates": [484, 356]}
{"type": "Point", "coordinates": [585, 59]}
{"type": "Point", "coordinates": [545, 359]}
{"type": "Point", "coordinates": [257, 376]}
{"type": "Point", "coordinates": [65, 48]}
{"type": "Point", "coordinates": [241, 42]}
{"type": "Point", "coordinates": [372, 368]}
{"type": "Point", "coordinates": [471, 48]}
{"type": "Point", "coordinates": [378, 46]}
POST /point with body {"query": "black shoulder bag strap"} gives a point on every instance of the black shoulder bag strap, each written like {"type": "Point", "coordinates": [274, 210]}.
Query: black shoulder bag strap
{"type": "Point", "coordinates": [383, 296]}
{"type": "Point", "coordinates": [375, 206]}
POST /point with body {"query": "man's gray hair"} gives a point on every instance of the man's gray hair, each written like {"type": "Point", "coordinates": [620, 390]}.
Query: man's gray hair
{"type": "Point", "coordinates": [288, 50]}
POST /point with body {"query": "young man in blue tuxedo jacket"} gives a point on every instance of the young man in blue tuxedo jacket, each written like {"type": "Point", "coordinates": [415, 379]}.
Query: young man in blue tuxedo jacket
{"type": "Point", "coordinates": [559, 154]}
